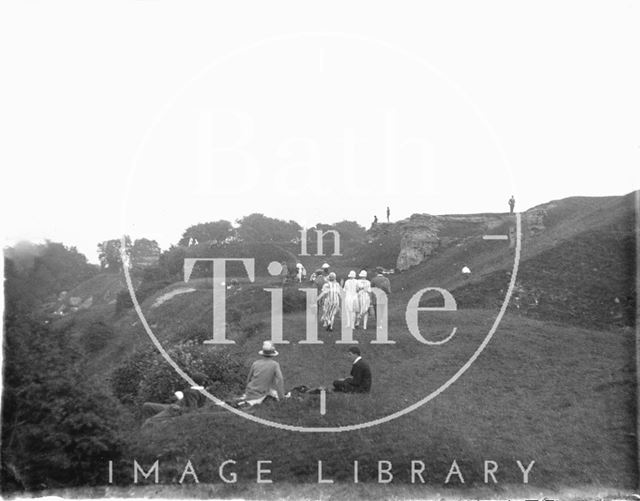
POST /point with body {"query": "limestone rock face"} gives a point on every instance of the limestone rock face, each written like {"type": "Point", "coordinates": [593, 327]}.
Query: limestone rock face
{"type": "Point", "coordinates": [419, 240]}
{"type": "Point", "coordinates": [424, 234]}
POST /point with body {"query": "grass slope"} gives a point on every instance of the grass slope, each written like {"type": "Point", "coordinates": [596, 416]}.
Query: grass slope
{"type": "Point", "coordinates": [561, 396]}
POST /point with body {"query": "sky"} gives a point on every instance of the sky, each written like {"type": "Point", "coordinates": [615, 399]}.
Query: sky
{"type": "Point", "coordinates": [145, 117]}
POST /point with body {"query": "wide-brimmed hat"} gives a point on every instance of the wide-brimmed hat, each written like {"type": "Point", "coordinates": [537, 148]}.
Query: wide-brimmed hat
{"type": "Point", "coordinates": [332, 276]}
{"type": "Point", "coordinates": [352, 274]}
{"type": "Point", "coordinates": [363, 274]}
{"type": "Point", "coordinates": [268, 350]}
{"type": "Point", "coordinates": [325, 265]}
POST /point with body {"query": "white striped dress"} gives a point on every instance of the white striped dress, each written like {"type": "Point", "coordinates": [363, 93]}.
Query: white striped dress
{"type": "Point", "coordinates": [331, 304]}
{"type": "Point", "coordinates": [364, 295]}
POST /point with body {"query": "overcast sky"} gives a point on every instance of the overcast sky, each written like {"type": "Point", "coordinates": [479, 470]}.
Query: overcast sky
{"type": "Point", "coordinates": [146, 117]}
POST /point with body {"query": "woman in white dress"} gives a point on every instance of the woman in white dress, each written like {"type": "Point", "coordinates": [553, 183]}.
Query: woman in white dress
{"type": "Point", "coordinates": [351, 299]}
{"type": "Point", "coordinates": [363, 289]}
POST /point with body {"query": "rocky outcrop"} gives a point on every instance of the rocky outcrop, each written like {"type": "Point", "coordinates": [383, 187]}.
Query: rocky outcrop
{"type": "Point", "coordinates": [424, 234]}
{"type": "Point", "coordinates": [419, 240]}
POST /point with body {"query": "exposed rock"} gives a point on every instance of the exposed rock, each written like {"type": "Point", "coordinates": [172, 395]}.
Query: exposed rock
{"type": "Point", "coordinates": [423, 234]}
{"type": "Point", "coordinates": [419, 239]}
{"type": "Point", "coordinates": [534, 219]}
{"type": "Point", "coordinates": [75, 301]}
{"type": "Point", "coordinates": [87, 303]}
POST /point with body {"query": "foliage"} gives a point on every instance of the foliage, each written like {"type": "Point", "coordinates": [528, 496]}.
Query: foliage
{"type": "Point", "coordinates": [110, 255]}
{"type": "Point", "coordinates": [214, 231]}
{"type": "Point", "coordinates": [57, 430]}
{"type": "Point", "coordinates": [123, 301]}
{"type": "Point", "coordinates": [146, 376]}
{"type": "Point", "coordinates": [350, 233]}
{"type": "Point", "coordinates": [260, 228]}
{"type": "Point", "coordinates": [96, 337]}
{"type": "Point", "coordinates": [40, 271]}
{"type": "Point", "coordinates": [144, 250]}
{"type": "Point", "coordinates": [172, 260]}
{"type": "Point", "coordinates": [125, 379]}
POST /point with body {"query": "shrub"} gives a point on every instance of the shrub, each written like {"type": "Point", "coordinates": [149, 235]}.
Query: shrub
{"type": "Point", "coordinates": [96, 337]}
{"type": "Point", "coordinates": [146, 376]}
{"type": "Point", "coordinates": [123, 301]}
{"type": "Point", "coordinates": [125, 379]}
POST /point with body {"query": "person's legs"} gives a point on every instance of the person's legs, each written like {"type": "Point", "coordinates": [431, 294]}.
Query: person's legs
{"type": "Point", "coordinates": [151, 409]}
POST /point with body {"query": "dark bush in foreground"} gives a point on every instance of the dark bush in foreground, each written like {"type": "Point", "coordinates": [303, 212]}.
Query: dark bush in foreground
{"type": "Point", "coordinates": [147, 376]}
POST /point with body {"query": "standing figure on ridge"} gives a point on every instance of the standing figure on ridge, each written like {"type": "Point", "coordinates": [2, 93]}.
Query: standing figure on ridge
{"type": "Point", "coordinates": [512, 204]}
{"type": "Point", "coordinates": [388, 213]}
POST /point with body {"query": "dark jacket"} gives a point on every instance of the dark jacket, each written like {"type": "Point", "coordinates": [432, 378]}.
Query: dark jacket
{"type": "Point", "coordinates": [360, 380]}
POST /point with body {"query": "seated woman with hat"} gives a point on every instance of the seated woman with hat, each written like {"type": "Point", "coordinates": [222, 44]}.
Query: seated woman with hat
{"type": "Point", "coordinates": [265, 378]}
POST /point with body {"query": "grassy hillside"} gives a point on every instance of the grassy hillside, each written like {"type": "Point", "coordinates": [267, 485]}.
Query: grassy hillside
{"type": "Point", "coordinates": [555, 385]}
{"type": "Point", "coordinates": [557, 395]}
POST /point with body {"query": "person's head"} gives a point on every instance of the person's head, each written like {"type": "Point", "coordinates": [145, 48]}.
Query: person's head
{"type": "Point", "coordinates": [353, 352]}
{"type": "Point", "coordinates": [363, 274]}
{"type": "Point", "coordinates": [268, 350]}
{"type": "Point", "coordinates": [332, 277]}
{"type": "Point", "coordinates": [352, 274]}
{"type": "Point", "coordinates": [379, 270]}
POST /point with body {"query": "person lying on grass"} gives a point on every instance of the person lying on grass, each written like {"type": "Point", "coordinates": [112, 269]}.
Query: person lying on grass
{"type": "Point", "coordinates": [265, 378]}
{"type": "Point", "coordinates": [183, 401]}
{"type": "Point", "coordinates": [360, 379]}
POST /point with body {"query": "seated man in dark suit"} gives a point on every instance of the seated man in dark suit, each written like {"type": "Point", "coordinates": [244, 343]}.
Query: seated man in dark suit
{"type": "Point", "coordinates": [360, 379]}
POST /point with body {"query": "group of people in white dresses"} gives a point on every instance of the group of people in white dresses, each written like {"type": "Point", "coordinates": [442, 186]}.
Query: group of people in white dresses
{"type": "Point", "coordinates": [357, 299]}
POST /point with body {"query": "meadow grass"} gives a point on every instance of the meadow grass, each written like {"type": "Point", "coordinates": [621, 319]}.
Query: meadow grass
{"type": "Point", "coordinates": [560, 396]}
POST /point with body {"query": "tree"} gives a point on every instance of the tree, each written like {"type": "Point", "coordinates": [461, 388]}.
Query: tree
{"type": "Point", "coordinates": [144, 252]}
{"type": "Point", "coordinates": [260, 228]}
{"type": "Point", "coordinates": [57, 430]}
{"type": "Point", "coordinates": [213, 231]}
{"type": "Point", "coordinates": [109, 253]}
{"type": "Point", "coordinates": [172, 260]}
{"type": "Point", "coordinates": [46, 269]}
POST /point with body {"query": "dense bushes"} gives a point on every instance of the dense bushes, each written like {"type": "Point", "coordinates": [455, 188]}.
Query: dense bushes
{"type": "Point", "coordinates": [57, 429]}
{"type": "Point", "coordinates": [96, 337]}
{"type": "Point", "coordinates": [146, 376]}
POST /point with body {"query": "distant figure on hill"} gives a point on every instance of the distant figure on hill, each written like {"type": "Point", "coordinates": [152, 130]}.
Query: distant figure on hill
{"type": "Point", "coordinates": [301, 273]}
{"type": "Point", "coordinates": [350, 299]}
{"type": "Point", "coordinates": [388, 214]}
{"type": "Point", "coordinates": [375, 222]}
{"type": "Point", "coordinates": [364, 299]}
{"type": "Point", "coordinates": [265, 378]}
{"type": "Point", "coordinates": [512, 204]}
{"type": "Point", "coordinates": [359, 380]}
{"type": "Point", "coordinates": [330, 300]}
